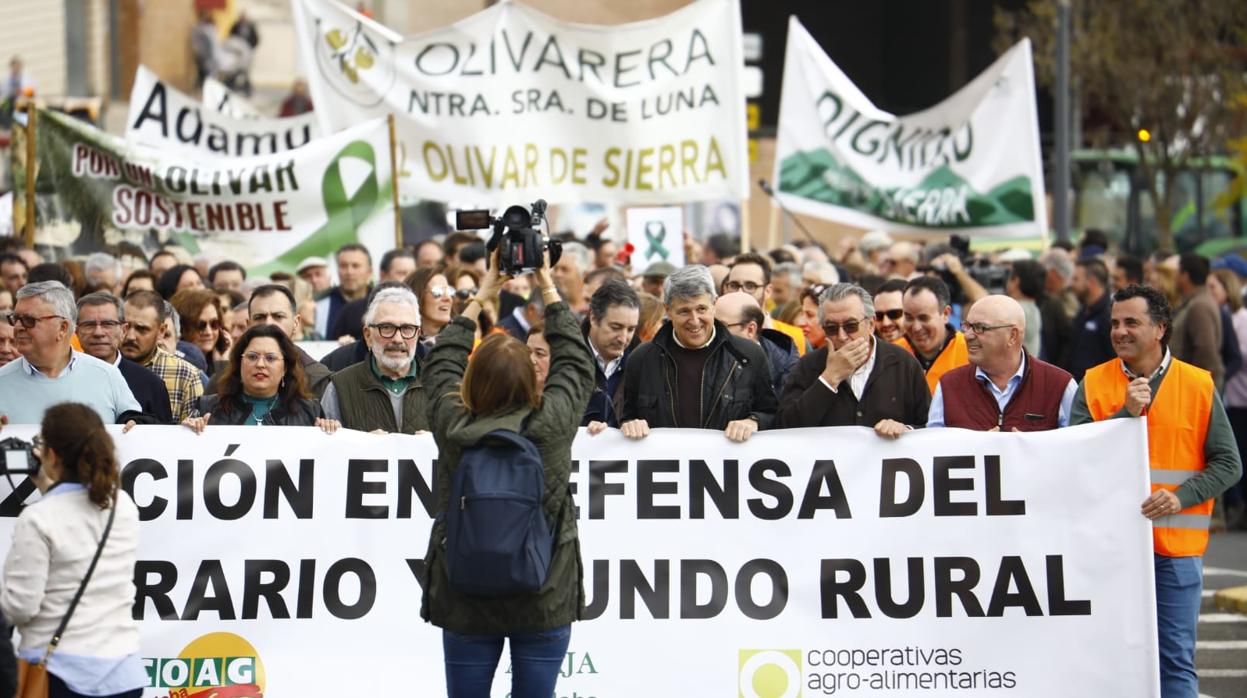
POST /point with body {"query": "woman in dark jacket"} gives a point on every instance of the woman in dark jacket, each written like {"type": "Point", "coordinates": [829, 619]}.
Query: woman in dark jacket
{"type": "Point", "coordinates": [496, 389]}
{"type": "Point", "coordinates": [263, 383]}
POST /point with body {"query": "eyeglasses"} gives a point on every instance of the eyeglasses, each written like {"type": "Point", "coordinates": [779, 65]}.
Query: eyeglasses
{"type": "Point", "coordinates": [980, 327]}
{"type": "Point", "coordinates": [440, 292]}
{"type": "Point", "coordinates": [29, 321]}
{"type": "Point", "coordinates": [387, 330]}
{"type": "Point", "coordinates": [746, 286]}
{"type": "Point", "coordinates": [205, 325]}
{"type": "Point", "coordinates": [850, 327]}
{"type": "Point", "coordinates": [254, 357]}
{"type": "Point", "coordinates": [892, 315]}
{"type": "Point", "coordinates": [92, 325]}
{"type": "Point", "coordinates": [466, 292]}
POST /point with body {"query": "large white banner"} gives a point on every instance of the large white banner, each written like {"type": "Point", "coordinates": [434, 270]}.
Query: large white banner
{"type": "Point", "coordinates": [510, 105]}
{"type": "Point", "coordinates": [217, 97]}
{"type": "Point", "coordinates": [163, 117]}
{"type": "Point", "coordinates": [268, 212]}
{"type": "Point", "coordinates": [802, 563]}
{"type": "Point", "coordinates": [970, 164]}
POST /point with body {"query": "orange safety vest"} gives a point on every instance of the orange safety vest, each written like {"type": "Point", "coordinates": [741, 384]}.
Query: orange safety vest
{"type": "Point", "coordinates": [953, 355]}
{"type": "Point", "coordinates": [794, 332]}
{"type": "Point", "coordinates": [1177, 425]}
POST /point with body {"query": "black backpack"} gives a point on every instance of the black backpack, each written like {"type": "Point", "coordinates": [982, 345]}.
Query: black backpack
{"type": "Point", "coordinates": [497, 540]}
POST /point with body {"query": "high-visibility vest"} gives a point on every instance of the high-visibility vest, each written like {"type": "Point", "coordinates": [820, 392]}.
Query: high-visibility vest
{"type": "Point", "coordinates": [953, 355]}
{"type": "Point", "coordinates": [1177, 426]}
{"type": "Point", "coordinates": [793, 332]}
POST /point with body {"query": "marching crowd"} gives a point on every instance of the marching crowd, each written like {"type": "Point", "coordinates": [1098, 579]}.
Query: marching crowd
{"type": "Point", "coordinates": [890, 335]}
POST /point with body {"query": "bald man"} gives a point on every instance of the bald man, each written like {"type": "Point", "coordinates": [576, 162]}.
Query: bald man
{"type": "Point", "coordinates": [743, 316]}
{"type": "Point", "coordinates": [1003, 388]}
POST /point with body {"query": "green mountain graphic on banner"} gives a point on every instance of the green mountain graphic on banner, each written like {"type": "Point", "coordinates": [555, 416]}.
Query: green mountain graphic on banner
{"type": "Point", "coordinates": [943, 199]}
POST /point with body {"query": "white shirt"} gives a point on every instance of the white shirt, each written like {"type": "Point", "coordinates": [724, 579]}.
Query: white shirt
{"type": "Point", "coordinates": [608, 367]}
{"type": "Point", "coordinates": [857, 381]}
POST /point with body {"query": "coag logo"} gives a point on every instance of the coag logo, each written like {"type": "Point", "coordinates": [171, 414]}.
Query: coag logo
{"type": "Point", "coordinates": [770, 674]}
{"type": "Point", "coordinates": [217, 665]}
{"type": "Point", "coordinates": [359, 65]}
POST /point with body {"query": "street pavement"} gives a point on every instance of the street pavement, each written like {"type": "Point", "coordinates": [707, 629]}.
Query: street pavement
{"type": "Point", "coordinates": [1221, 650]}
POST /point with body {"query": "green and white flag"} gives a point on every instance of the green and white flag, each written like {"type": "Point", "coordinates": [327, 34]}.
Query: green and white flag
{"type": "Point", "coordinates": [511, 105]}
{"type": "Point", "coordinates": [970, 164]}
{"type": "Point", "coordinates": [95, 190]}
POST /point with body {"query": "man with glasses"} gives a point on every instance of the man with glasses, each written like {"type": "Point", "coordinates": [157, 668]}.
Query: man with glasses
{"type": "Point", "coordinates": [751, 273]}
{"type": "Point", "coordinates": [101, 329]}
{"type": "Point", "coordinates": [383, 394]}
{"type": "Point", "coordinates": [889, 311]}
{"type": "Point", "coordinates": [50, 371]}
{"type": "Point", "coordinates": [854, 379]}
{"type": "Point", "coordinates": [1004, 387]}
{"type": "Point", "coordinates": [743, 317]}
{"type": "Point", "coordinates": [937, 345]}
{"type": "Point", "coordinates": [145, 313]}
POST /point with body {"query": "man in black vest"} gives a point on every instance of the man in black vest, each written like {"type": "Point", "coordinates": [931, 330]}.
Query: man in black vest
{"type": "Point", "coordinates": [383, 394]}
{"type": "Point", "coordinates": [1003, 387]}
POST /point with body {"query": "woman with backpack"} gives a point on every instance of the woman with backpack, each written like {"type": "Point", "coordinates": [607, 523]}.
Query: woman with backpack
{"type": "Point", "coordinates": [490, 422]}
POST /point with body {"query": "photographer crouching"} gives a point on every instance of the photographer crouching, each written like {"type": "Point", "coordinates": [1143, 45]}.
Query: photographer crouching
{"type": "Point", "coordinates": [516, 572]}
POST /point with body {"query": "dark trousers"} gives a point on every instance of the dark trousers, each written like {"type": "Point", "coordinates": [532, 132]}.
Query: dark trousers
{"type": "Point", "coordinates": [471, 661]}
{"type": "Point", "coordinates": [58, 689]}
{"type": "Point", "coordinates": [1237, 493]}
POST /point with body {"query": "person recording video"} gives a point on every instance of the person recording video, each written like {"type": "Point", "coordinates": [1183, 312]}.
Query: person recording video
{"type": "Point", "coordinates": [487, 406]}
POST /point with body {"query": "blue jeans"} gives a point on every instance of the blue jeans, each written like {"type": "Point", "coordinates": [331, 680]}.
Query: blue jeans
{"type": "Point", "coordinates": [1179, 581]}
{"type": "Point", "coordinates": [535, 660]}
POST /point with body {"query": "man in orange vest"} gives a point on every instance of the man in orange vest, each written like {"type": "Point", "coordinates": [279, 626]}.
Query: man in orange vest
{"type": "Point", "coordinates": [1193, 458]}
{"type": "Point", "coordinates": [937, 345]}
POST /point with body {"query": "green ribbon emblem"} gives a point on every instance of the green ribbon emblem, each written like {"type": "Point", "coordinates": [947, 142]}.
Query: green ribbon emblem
{"type": "Point", "coordinates": [655, 233]}
{"type": "Point", "coordinates": [345, 213]}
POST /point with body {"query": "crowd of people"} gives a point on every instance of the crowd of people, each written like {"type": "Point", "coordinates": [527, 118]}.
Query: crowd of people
{"type": "Point", "coordinates": [878, 333]}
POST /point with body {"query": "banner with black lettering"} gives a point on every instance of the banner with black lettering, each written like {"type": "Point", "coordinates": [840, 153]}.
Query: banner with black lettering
{"type": "Point", "coordinates": [268, 212]}
{"type": "Point", "coordinates": [286, 562]}
{"type": "Point", "coordinates": [970, 164]}
{"type": "Point", "coordinates": [163, 117]}
{"type": "Point", "coordinates": [219, 98]}
{"type": "Point", "coordinates": [510, 105]}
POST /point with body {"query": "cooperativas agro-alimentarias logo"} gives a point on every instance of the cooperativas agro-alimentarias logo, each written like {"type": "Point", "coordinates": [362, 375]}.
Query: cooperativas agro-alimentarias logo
{"type": "Point", "coordinates": [770, 674]}
{"type": "Point", "coordinates": [217, 665]}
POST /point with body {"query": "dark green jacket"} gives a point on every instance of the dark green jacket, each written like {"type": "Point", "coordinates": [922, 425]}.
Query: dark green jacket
{"type": "Point", "coordinates": [552, 428]}
{"type": "Point", "coordinates": [365, 403]}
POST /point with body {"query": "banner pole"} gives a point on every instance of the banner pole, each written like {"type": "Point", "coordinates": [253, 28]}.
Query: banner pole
{"type": "Point", "coordinates": [394, 177]}
{"type": "Point", "coordinates": [744, 226]}
{"type": "Point", "coordinates": [30, 174]}
{"type": "Point", "coordinates": [772, 240]}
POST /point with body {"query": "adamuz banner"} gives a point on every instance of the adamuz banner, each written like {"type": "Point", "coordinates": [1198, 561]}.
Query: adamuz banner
{"type": "Point", "coordinates": [510, 105]}
{"type": "Point", "coordinates": [217, 97]}
{"type": "Point", "coordinates": [268, 212]}
{"type": "Point", "coordinates": [971, 164]}
{"type": "Point", "coordinates": [808, 562]}
{"type": "Point", "coordinates": [162, 117]}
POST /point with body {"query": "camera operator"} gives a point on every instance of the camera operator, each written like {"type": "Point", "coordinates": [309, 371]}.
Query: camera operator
{"type": "Point", "coordinates": [84, 514]}
{"type": "Point", "coordinates": [470, 397]}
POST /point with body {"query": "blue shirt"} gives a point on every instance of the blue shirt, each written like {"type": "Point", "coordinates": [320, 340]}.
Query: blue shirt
{"type": "Point", "coordinates": [26, 393]}
{"type": "Point", "coordinates": [92, 676]}
{"type": "Point", "coordinates": [935, 415]}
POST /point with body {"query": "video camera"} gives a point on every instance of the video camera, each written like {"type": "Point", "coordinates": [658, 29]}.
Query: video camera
{"type": "Point", "coordinates": [516, 236]}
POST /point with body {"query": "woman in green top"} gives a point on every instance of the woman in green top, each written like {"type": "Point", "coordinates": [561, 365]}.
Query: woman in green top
{"type": "Point", "coordinates": [263, 383]}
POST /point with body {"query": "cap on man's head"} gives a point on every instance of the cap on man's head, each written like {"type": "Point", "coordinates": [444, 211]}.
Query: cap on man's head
{"type": "Point", "coordinates": [1233, 262]}
{"type": "Point", "coordinates": [659, 270]}
{"type": "Point", "coordinates": [311, 262]}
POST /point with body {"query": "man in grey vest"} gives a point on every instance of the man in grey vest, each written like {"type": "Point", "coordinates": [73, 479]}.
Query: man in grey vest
{"type": "Point", "coordinates": [383, 394]}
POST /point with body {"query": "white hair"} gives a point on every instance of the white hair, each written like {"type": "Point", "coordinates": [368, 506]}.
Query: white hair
{"type": "Point", "coordinates": [688, 282]}
{"type": "Point", "coordinates": [579, 253]}
{"type": "Point", "coordinates": [1058, 260]}
{"type": "Point", "coordinates": [401, 296]}
{"type": "Point", "coordinates": [54, 294]}
{"type": "Point", "coordinates": [821, 273]}
{"type": "Point", "coordinates": [101, 262]}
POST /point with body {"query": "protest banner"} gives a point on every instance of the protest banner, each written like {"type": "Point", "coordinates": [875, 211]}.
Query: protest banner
{"type": "Point", "coordinates": [801, 563]}
{"type": "Point", "coordinates": [266, 212]}
{"type": "Point", "coordinates": [163, 117]}
{"type": "Point", "coordinates": [510, 105]}
{"type": "Point", "coordinates": [970, 164]}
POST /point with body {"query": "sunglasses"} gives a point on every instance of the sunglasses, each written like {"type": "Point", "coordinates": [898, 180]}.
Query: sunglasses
{"type": "Point", "coordinates": [29, 321]}
{"type": "Point", "coordinates": [466, 292]}
{"type": "Point", "coordinates": [440, 292]}
{"type": "Point", "coordinates": [832, 329]}
{"type": "Point", "coordinates": [205, 325]}
{"type": "Point", "coordinates": [892, 315]}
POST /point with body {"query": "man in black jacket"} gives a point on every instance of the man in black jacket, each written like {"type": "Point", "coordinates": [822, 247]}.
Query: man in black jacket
{"type": "Point", "coordinates": [610, 332]}
{"type": "Point", "coordinates": [1090, 344]}
{"type": "Point", "coordinates": [743, 317]}
{"type": "Point", "coordinates": [101, 327]}
{"type": "Point", "coordinates": [695, 374]}
{"type": "Point", "coordinates": [855, 379]}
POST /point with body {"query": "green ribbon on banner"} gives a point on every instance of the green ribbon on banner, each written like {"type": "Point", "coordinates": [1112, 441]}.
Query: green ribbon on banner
{"type": "Point", "coordinates": [345, 213]}
{"type": "Point", "coordinates": [655, 233]}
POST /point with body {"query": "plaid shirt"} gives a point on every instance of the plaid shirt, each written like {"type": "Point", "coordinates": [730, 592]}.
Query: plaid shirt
{"type": "Point", "coordinates": [181, 379]}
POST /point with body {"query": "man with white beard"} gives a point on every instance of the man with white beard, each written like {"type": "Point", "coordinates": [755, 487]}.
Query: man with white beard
{"type": "Point", "coordinates": [383, 394]}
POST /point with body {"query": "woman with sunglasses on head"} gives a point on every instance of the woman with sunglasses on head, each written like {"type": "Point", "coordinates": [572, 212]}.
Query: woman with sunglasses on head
{"type": "Point", "coordinates": [263, 383]}
{"type": "Point", "coordinates": [202, 323]}
{"type": "Point", "coordinates": [85, 525]}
